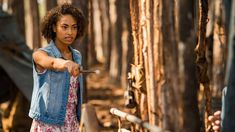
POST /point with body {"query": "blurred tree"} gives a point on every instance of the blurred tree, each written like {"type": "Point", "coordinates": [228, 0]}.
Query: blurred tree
{"type": "Point", "coordinates": [18, 11]}
{"type": "Point", "coordinates": [50, 4]}
{"type": "Point", "coordinates": [218, 53]}
{"type": "Point", "coordinates": [186, 39]}
{"type": "Point", "coordinates": [82, 44]}
{"type": "Point", "coordinates": [106, 39]}
{"type": "Point", "coordinates": [123, 40]}
{"type": "Point", "coordinates": [35, 24]}
{"type": "Point", "coordinates": [114, 54]}
{"type": "Point", "coordinates": [171, 92]}
{"type": "Point", "coordinates": [120, 44]}
{"type": "Point", "coordinates": [32, 21]}
{"type": "Point", "coordinates": [92, 57]}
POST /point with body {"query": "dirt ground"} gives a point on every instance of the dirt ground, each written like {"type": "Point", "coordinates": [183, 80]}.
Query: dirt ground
{"type": "Point", "coordinates": [103, 94]}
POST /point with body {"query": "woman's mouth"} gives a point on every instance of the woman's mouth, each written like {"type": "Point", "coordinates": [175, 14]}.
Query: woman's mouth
{"type": "Point", "coordinates": [69, 39]}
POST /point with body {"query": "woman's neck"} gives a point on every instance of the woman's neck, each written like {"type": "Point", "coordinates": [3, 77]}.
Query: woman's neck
{"type": "Point", "coordinates": [62, 48]}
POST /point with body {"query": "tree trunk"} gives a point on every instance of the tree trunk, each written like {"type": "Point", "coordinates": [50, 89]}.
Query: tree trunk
{"type": "Point", "coordinates": [146, 22]}
{"type": "Point", "coordinates": [97, 31]}
{"type": "Point", "coordinates": [50, 4]}
{"type": "Point", "coordinates": [36, 25]}
{"type": "Point", "coordinates": [108, 53]}
{"type": "Point", "coordinates": [114, 48]}
{"type": "Point", "coordinates": [187, 68]}
{"type": "Point", "coordinates": [172, 94]}
{"type": "Point", "coordinates": [122, 40]}
{"type": "Point", "coordinates": [92, 58]}
{"type": "Point", "coordinates": [105, 23]}
{"type": "Point", "coordinates": [82, 44]}
{"type": "Point", "coordinates": [18, 11]}
{"type": "Point", "coordinates": [32, 21]}
{"type": "Point", "coordinates": [158, 58]}
{"type": "Point", "coordinates": [201, 60]}
{"type": "Point", "coordinates": [218, 55]}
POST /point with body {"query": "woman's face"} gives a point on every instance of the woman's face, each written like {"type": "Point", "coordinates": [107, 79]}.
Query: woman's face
{"type": "Point", "coordinates": [66, 30]}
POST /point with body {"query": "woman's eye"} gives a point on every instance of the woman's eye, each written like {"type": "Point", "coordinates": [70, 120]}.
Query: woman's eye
{"type": "Point", "coordinates": [75, 28]}
{"type": "Point", "coordinates": [63, 27]}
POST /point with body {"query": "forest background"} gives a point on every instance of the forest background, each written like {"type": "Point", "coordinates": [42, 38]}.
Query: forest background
{"type": "Point", "coordinates": [176, 51]}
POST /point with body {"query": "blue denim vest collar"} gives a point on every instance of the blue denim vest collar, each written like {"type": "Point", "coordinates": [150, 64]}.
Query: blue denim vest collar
{"type": "Point", "coordinates": [57, 53]}
{"type": "Point", "coordinates": [50, 92]}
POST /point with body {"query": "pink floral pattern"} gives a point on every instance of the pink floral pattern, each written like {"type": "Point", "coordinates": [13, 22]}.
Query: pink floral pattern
{"type": "Point", "coordinates": [71, 123]}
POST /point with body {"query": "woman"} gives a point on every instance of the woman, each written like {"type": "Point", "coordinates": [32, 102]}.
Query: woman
{"type": "Point", "coordinates": [57, 92]}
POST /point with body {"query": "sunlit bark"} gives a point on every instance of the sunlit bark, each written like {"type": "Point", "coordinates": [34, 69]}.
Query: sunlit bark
{"type": "Point", "coordinates": [32, 21]}
{"type": "Point", "coordinates": [50, 4]}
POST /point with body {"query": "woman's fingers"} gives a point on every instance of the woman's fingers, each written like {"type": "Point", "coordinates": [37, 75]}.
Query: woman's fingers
{"type": "Point", "coordinates": [73, 68]}
{"type": "Point", "coordinates": [216, 128]}
{"type": "Point", "coordinates": [215, 120]}
{"type": "Point", "coordinates": [217, 113]}
{"type": "Point", "coordinates": [211, 118]}
{"type": "Point", "coordinates": [76, 70]}
{"type": "Point", "coordinates": [215, 116]}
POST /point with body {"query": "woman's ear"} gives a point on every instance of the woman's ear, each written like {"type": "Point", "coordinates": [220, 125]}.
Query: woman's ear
{"type": "Point", "coordinates": [54, 28]}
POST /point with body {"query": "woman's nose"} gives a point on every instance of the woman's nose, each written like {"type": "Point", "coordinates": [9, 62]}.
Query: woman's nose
{"type": "Point", "coordinates": [69, 30]}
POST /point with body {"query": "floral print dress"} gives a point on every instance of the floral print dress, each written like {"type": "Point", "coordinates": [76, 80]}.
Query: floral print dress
{"type": "Point", "coordinates": [71, 123]}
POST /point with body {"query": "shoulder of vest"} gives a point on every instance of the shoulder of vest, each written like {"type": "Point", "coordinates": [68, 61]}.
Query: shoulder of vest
{"type": "Point", "coordinates": [48, 47]}
{"type": "Point", "coordinates": [77, 52]}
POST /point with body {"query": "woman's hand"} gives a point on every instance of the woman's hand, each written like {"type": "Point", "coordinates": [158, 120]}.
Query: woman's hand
{"type": "Point", "coordinates": [72, 67]}
{"type": "Point", "coordinates": [215, 121]}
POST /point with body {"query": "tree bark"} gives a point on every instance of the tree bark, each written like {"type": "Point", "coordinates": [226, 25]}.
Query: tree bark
{"type": "Point", "coordinates": [18, 11]}
{"type": "Point", "coordinates": [32, 21]}
{"type": "Point", "coordinates": [218, 55]}
{"type": "Point", "coordinates": [158, 58]}
{"type": "Point", "coordinates": [171, 93]}
{"type": "Point", "coordinates": [201, 61]}
{"type": "Point", "coordinates": [146, 22]}
{"type": "Point", "coordinates": [36, 25]}
{"type": "Point", "coordinates": [97, 31]}
{"type": "Point", "coordinates": [114, 49]}
{"type": "Point", "coordinates": [122, 41]}
{"type": "Point", "coordinates": [82, 43]}
{"type": "Point", "coordinates": [187, 69]}
{"type": "Point", "coordinates": [50, 4]}
{"type": "Point", "coordinates": [105, 24]}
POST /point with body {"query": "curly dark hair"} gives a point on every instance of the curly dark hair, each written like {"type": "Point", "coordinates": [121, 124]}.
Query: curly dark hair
{"type": "Point", "coordinates": [53, 16]}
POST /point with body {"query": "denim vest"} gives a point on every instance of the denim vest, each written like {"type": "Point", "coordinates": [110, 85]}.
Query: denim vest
{"type": "Point", "coordinates": [51, 89]}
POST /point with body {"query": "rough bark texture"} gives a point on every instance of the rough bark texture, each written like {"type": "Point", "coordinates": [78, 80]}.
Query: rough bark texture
{"type": "Point", "coordinates": [168, 63]}
{"type": "Point", "coordinates": [201, 61]}
{"type": "Point", "coordinates": [35, 24]}
{"type": "Point", "coordinates": [219, 54]}
{"type": "Point", "coordinates": [187, 68]}
{"type": "Point", "coordinates": [33, 38]}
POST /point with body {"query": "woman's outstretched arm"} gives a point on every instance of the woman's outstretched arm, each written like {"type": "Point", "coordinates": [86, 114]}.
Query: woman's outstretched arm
{"type": "Point", "coordinates": [44, 61]}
